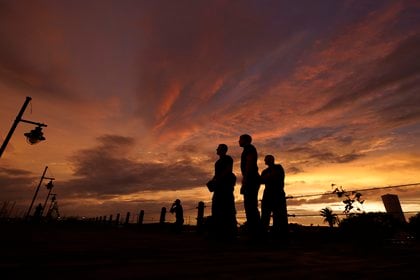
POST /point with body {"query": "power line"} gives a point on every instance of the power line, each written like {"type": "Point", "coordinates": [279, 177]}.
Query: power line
{"type": "Point", "coordinates": [341, 214]}
{"type": "Point", "coordinates": [334, 193]}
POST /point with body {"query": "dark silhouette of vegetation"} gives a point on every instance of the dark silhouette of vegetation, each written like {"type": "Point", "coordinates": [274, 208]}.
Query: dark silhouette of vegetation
{"type": "Point", "coordinates": [329, 216]}
{"type": "Point", "coordinates": [369, 228]}
{"type": "Point", "coordinates": [353, 200]}
{"type": "Point", "coordinates": [414, 225]}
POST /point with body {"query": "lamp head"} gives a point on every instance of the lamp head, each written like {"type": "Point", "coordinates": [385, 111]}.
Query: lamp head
{"type": "Point", "coordinates": [49, 185]}
{"type": "Point", "coordinates": [35, 135]}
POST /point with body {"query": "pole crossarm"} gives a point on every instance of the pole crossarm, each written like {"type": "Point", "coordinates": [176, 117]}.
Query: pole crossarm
{"type": "Point", "coordinates": [31, 122]}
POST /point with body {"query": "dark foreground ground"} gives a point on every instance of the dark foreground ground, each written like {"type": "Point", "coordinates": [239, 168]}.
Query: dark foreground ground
{"type": "Point", "coordinates": [97, 252]}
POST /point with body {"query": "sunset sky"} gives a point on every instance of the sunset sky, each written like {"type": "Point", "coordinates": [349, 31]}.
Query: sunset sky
{"type": "Point", "coordinates": [138, 94]}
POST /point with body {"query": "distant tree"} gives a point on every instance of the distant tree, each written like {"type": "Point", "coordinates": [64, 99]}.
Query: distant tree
{"type": "Point", "coordinates": [329, 216]}
{"type": "Point", "coordinates": [371, 228]}
{"type": "Point", "coordinates": [414, 225]}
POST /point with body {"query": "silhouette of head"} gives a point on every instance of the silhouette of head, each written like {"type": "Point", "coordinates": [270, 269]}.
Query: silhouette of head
{"type": "Point", "coordinates": [177, 201]}
{"type": "Point", "coordinates": [245, 139]}
{"type": "Point", "coordinates": [269, 160]}
{"type": "Point", "coordinates": [222, 149]}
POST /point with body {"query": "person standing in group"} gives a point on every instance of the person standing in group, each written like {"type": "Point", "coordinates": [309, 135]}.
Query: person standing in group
{"type": "Point", "coordinates": [224, 225]}
{"type": "Point", "coordinates": [250, 184]}
{"type": "Point", "coordinates": [274, 199]}
{"type": "Point", "coordinates": [179, 215]}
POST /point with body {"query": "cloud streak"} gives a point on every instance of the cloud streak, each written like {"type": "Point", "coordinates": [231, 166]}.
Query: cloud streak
{"type": "Point", "coordinates": [105, 170]}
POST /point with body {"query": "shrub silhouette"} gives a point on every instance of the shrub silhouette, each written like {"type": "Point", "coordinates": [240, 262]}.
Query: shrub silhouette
{"type": "Point", "coordinates": [414, 225]}
{"type": "Point", "coordinates": [369, 228]}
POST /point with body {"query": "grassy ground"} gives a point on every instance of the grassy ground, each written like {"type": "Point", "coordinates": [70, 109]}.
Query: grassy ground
{"type": "Point", "coordinates": [81, 251]}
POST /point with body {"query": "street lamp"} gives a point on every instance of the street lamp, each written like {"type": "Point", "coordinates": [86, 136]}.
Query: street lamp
{"type": "Point", "coordinates": [37, 189]}
{"type": "Point", "coordinates": [49, 187]}
{"type": "Point", "coordinates": [53, 199]}
{"type": "Point", "coordinates": [33, 137]}
{"type": "Point", "coordinates": [53, 212]}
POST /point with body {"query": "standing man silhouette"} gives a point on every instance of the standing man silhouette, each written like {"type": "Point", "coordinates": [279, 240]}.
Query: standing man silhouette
{"type": "Point", "coordinates": [223, 201]}
{"type": "Point", "coordinates": [250, 184]}
{"type": "Point", "coordinates": [274, 198]}
{"type": "Point", "coordinates": [179, 214]}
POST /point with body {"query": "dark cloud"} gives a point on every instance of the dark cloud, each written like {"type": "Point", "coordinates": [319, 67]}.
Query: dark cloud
{"type": "Point", "coordinates": [105, 171]}
{"type": "Point", "coordinates": [400, 65]}
{"type": "Point", "coordinates": [370, 83]}
{"type": "Point", "coordinates": [329, 157]}
{"type": "Point", "coordinates": [400, 70]}
{"type": "Point", "coordinates": [315, 146]}
{"type": "Point", "coordinates": [188, 148]}
{"type": "Point", "coordinates": [314, 156]}
{"type": "Point", "coordinates": [293, 170]}
{"type": "Point", "coordinates": [200, 54]}
{"type": "Point", "coordinates": [13, 179]}
{"type": "Point", "coordinates": [14, 172]}
{"type": "Point", "coordinates": [314, 134]}
{"type": "Point", "coordinates": [16, 184]}
{"type": "Point", "coordinates": [40, 65]}
{"type": "Point", "coordinates": [400, 109]}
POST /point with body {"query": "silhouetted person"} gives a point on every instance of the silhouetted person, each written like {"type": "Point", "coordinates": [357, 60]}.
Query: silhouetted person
{"type": "Point", "coordinates": [38, 213]}
{"type": "Point", "coordinates": [223, 201]}
{"type": "Point", "coordinates": [179, 214]}
{"type": "Point", "coordinates": [250, 184]}
{"type": "Point", "coordinates": [274, 198]}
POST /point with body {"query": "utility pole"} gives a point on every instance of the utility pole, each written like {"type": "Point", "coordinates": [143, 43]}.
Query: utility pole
{"type": "Point", "coordinates": [37, 189]}
{"type": "Point", "coordinates": [49, 187]}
